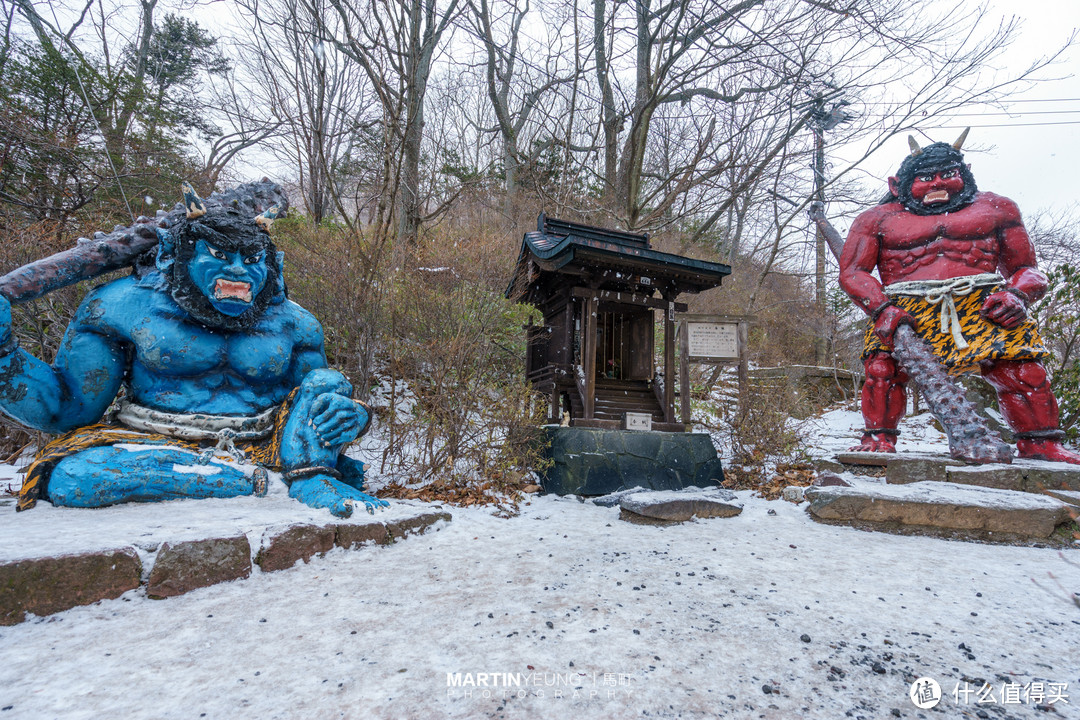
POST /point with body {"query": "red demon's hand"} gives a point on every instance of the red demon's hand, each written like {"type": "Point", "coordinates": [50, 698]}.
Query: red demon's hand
{"type": "Point", "coordinates": [1005, 309]}
{"type": "Point", "coordinates": [891, 318]}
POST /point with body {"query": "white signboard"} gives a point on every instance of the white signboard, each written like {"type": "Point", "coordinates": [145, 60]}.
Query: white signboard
{"type": "Point", "coordinates": [713, 340]}
{"type": "Point", "coordinates": [639, 421]}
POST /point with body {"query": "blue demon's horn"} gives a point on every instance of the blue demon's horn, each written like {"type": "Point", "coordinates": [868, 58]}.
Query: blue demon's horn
{"type": "Point", "coordinates": [194, 203]}
{"type": "Point", "coordinates": [266, 219]}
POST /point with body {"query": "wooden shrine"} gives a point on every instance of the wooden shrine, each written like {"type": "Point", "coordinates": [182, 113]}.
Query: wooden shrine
{"type": "Point", "coordinates": [599, 291]}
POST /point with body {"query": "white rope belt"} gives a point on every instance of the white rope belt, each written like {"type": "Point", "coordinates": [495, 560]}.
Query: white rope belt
{"type": "Point", "coordinates": [196, 426]}
{"type": "Point", "coordinates": [943, 292]}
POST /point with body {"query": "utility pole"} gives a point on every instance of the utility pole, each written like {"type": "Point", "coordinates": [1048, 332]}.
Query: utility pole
{"type": "Point", "coordinates": [822, 119]}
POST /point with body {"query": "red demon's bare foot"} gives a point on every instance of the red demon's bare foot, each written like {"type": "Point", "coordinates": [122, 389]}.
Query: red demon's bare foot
{"type": "Point", "coordinates": [883, 442]}
{"type": "Point", "coordinates": [1043, 449]}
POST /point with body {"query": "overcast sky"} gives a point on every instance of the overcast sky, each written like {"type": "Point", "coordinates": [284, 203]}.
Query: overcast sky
{"type": "Point", "coordinates": [1031, 153]}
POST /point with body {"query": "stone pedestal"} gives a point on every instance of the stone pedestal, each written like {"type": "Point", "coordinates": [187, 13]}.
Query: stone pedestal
{"type": "Point", "coordinates": [589, 461]}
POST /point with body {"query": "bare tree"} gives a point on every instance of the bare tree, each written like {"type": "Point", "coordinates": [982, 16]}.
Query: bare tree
{"type": "Point", "coordinates": [515, 86]}
{"type": "Point", "coordinates": [396, 43]}
{"type": "Point", "coordinates": [313, 91]}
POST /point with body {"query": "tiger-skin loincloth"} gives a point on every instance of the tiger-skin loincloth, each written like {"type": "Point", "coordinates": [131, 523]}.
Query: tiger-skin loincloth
{"type": "Point", "coordinates": [985, 340]}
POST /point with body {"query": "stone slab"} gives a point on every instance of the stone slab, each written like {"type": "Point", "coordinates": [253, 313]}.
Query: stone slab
{"type": "Point", "coordinates": [905, 470]}
{"type": "Point", "coordinates": [1070, 497]}
{"type": "Point", "coordinates": [48, 585]}
{"type": "Point", "coordinates": [45, 572]}
{"type": "Point", "coordinates": [590, 462]}
{"type": "Point", "coordinates": [940, 505]}
{"type": "Point", "coordinates": [868, 459]}
{"type": "Point", "coordinates": [351, 535]}
{"type": "Point", "coordinates": [282, 549]}
{"type": "Point", "coordinates": [414, 526]}
{"type": "Point", "coordinates": [682, 506]}
{"type": "Point", "coordinates": [1047, 475]}
{"type": "Point", "coordinates": [1024, 475]}
{"type": "Point", "coordinates": [1002, 477]}
{"type": "Point", "coordinates": [185, 566]}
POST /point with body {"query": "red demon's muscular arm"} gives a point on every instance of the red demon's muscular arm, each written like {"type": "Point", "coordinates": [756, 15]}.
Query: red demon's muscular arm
{"type": "Point", "coordinates": [858, 261]}
{"type": "Point", "coordinates": [1017, 260]}
{"type": "Point", "coordinates": [1024, 284]}
{"type": "Point", "coordinates": [857, 264]}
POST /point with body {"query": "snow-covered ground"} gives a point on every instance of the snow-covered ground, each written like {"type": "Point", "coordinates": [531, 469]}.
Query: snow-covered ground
{"type": "Point", "coordinates": [593, 616]}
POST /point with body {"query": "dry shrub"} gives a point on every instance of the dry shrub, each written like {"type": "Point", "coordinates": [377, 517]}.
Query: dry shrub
{"type": "Point", "coordinates": [459, 409]}
{"type": "Point", "coordinates": [440, 346]}
{"type": "Point", "coordinates": [765, 438]}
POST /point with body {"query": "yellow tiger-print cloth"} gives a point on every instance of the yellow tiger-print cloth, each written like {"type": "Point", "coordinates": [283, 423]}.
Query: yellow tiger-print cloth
{"type": "Point", "coordinates": [264, 451]}
{"type": "Point", "coordinates": [986, 340]}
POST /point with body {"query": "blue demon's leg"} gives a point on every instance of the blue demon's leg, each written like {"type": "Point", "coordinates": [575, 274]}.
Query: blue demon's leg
{"type": "Point", "coordinates": [110, 475]}
{"type": "Point", "coordinates": [352, 471]}
{"type": "Point", "coordinates": [308, 443]}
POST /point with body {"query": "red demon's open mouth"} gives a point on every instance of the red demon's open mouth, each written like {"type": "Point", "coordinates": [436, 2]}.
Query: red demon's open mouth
{"type": "Point", "coordinates": [938, 196]}
{"type": "Point", "coordinates": [229, 290]}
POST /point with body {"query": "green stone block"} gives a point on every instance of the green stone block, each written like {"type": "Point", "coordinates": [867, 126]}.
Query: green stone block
{"type": "Point", "coordinates": [589, 461]}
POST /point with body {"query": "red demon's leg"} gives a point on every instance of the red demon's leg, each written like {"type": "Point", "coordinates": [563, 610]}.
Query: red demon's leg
{"type": "Point", "coordinates": [884, 400]}
{"type": "Point", "coordinates": [1030, 408]}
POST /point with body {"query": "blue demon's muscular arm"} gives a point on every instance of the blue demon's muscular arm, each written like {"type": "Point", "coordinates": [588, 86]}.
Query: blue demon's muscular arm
{"type": "Point", "coordinates": [79, 386]}
{"type": "Point", "coordinates": [337, 419]}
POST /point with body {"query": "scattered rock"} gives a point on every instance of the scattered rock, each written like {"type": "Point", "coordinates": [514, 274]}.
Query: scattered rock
{"type": "Point", "coordinates": [680, 506]}
{"type": "Point", "coordinates": [794, 493]}
{"type": "Point", "coordinates": [830, 479]}
{"type": "Point", "coordinates": [186, 566]}
{"type": "Point", "coordinates": [49, 585]}
{"type": "Point", "coordinates": [613, 499]}
{"type": "Point", "coordinates": [805, 638]}
{"type": "Point", "coordinates": [531, 489]}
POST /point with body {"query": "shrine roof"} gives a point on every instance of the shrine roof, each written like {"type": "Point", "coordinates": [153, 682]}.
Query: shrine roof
{"type": "Point", "coordinates": [561, 246]}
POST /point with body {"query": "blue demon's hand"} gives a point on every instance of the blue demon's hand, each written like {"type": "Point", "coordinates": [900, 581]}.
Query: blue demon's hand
{"type": "Point", "coordinates": [320, 491]}
{"type": "Point", "coordinates": [337, 419]}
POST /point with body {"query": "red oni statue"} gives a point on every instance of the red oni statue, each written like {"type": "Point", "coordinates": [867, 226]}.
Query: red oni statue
{"type": "Point", "coordinates": [957, 265]}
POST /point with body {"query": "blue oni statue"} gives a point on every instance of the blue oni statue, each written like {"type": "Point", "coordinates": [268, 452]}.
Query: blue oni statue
{"type": "Point", "coordinates": [222, 378]}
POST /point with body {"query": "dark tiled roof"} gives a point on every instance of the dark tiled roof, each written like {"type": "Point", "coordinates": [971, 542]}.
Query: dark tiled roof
{"type": "Point", "coordinates": [562, 242]}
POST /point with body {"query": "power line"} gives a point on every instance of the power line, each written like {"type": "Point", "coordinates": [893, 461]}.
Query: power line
{"type": "Point", "coordinates": [1005, 125]}
{"type": "Point", "coordinates": [1015, 114]}
{"type": "Point", "coordinates": [947, 102]}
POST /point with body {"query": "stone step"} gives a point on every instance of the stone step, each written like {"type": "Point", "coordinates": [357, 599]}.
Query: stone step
{"type": "Point", "coordinates": [49, 584]}
{"type": "Point", "coordinates": [941, 505]}
{"type": "Point", "coordinates": [670, 507]}
{"type": "Point", "coordinates": [1071, 497]}
{"type": "Point", "coordinates": [1033, 476]}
